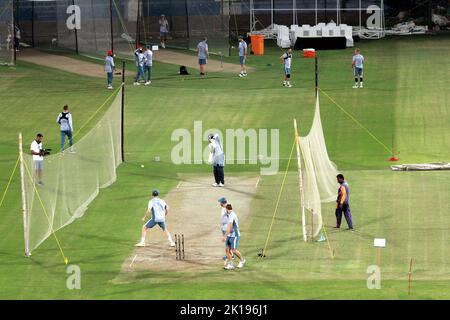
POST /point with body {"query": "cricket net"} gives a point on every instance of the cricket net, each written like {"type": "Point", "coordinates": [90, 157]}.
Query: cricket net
{"type": "Point", "coordinates": [71, 180]}
{"type": "Point", "coordinates": [317, 177]}
{"type": "Point", "coordinates": [6, 33]}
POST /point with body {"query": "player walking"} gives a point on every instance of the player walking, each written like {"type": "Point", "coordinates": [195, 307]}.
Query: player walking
{"type": "Point", "coordinates": [242, 56]}
{"type": "Point", "coordinates": [203, 54]}
{"type": "Point", "coordinates": [224, 222]}
{"type": "Point", "coordinates": [286, 60]}
{"type": "Point", "coordinates": [140, 62]}
{"type": "Point", "coordinates": [163, 30]}
{"type": "Point", "coordinates": [64, 120]}
{"type": "Point", "coordinates": [358, 66]}
{"type": "Point", "coordinates": [158, 209]}
{"type": "Point", "coordinates": [343, 204]}
{"type": "Point", "coordinates": [148, 64]}
{"type": "Point", "coordinates": [231, 239]}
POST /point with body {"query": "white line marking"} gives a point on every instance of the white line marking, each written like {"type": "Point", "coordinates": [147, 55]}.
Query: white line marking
{"type": "Point", "coordinates": [179, 184]}
{"type": "Point", "coordinates": [133, 260]}
{"type": "Point", "coordinates": [257, 182]}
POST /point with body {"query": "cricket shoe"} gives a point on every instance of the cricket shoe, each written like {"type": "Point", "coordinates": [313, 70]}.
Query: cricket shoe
{"type": "Point", "coordinates": [172, 244]}
{"type": "Point", "coordinates": [109, 87]}
{"type": "Point", "coordinates": [136, 84]}
{"type": "Point", "coordinates": [361, 85]}
{"type": "Point", "coordinates": [245, 74]}
{"type": "Point", "coordinates": [289, 85]}
{"type": "Point", "coordinates": [148, 83]}
{"type": "Point", "coordinates": [221, 185]}
{"type": "Point", "coordinates": [241, 264]}
{"type": "Point", "coordinates": [229, 267]}
{"type": "Point", "coordinates": [241, 75]}
{"type": "Point", "coordinates": [215, 184]}
{"type": "Point", "coordinates": [355, 86]}
{"type": "Point", "coordinates": [140, 244]}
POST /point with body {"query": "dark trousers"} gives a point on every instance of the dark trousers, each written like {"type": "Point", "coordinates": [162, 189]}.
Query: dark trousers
{"type": "Point", "coordinates": [347, 214]}
{"type": "Point", "coordinates": [219, 176]}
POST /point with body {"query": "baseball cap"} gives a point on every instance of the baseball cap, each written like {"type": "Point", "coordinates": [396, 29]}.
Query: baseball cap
{"type": "Point", "coordinates": [155, 192]}
{"type": "Point", "coordinates": [222, 200]}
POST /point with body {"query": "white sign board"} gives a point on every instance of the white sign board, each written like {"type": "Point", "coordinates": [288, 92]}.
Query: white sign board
{"type": "Point", "coordinates": [379, 243]}
{"type": "Point", "coordinates": [155, 48]}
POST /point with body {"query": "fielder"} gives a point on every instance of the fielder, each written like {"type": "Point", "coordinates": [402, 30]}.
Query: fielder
{"type": "Point", "coordinates": [231, 239]}
{"type": "Point", "coordinates": [358, 66]}
{"type": "Point", "coordinates": [217, 158]}
{"type": "Point", "coordinates": [286, 60]}
{"type": "Point", "coordinates": [158, 209]}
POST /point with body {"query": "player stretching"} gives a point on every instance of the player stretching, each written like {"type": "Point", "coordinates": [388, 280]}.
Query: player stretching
{"type": "Point", "coordinates": [231, 239]}
{"type": "Point", "coordinates": [242, 56]}
{"type": "Point", "coordinates": [358, 65]}
{"type": "Point", "coordinates": [158, 209]}
{"type": "Point", "coordinates": [286, 59]}
{"type": "Point", "coordinates": [217, 158]}
{"type": "Point", "coordinates": [343, 204]}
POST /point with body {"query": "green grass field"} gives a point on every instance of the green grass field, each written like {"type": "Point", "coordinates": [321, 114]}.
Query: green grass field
{"type": "Point", "coordinates": [405, 99]}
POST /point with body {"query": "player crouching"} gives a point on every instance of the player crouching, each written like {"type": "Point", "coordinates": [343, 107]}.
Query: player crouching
{"type": "Point", "coordinates": [231, 239]}
{"type": "Point", "coordinates": [159, 210]}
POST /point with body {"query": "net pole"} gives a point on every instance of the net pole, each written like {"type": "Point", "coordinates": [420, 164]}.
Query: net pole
{"type": "Point", "coordinates": [24, 199]}
{"type": "Point", "coordinates": [76, 33]}
{"type": "Point", "coordinates": [138, 26]}
{"type": "Point", "coordinates": [32, 24]}
{"type": "Point", "coordinates": [187, 24]}
{"type": "Point", "coordinates": [316, 75]}
{"type": "Point", "coordinates": [111, 24]}
{"type": "Point", "coordinates": [300, 179]}
{"type": "Point", "coordinates": [122, 115]}
{"type": "Point", "coordinates": [14, 33]}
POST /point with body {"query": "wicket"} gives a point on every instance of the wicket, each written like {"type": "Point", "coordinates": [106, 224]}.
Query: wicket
{"type": "Point", "coordinates": [179, 246]}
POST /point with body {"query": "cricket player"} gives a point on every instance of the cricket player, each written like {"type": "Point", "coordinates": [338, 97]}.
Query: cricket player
{"type": "Point", "coordinates": [224, 222]}
{"type": "Point", "coordinates": [64, 120]}
{"type": "Point", "coordinates": [343, 204]}
{"type": "Point", "coordinates": [242, 56]}
{"type": "Point", "coordinates": [358, 66]}
{"type": "Point", "coordinates": [163, 30]}
{"type": "Point", "coordinates": [148, 64]}
{"type": "Point", "coordinates": [217, 159]}
{"type": "Point", "coordinates": [38, 159]}
{"type": "Point", "coordinates": [140, 62]}
{"type": "Point", "coordinates": [109, 68]}
{"type": "Point", "coordinates": [203, 54]}
{"type": "Point", "coordinates": [158, 209]}
{"type": "Point", "coordinates": [231, 239]}
{"type": "Point", "coordinates": [286, 60]}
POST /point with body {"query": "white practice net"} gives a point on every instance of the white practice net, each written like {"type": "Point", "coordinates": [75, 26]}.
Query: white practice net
{"type": "Point", "coordinates": [318, 176]}
{"type": "Point", "coordinates": [72, 181]}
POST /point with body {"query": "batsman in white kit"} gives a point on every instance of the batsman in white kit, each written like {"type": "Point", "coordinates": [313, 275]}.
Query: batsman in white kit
{"type": "Point", "coordinates": [158, 208]}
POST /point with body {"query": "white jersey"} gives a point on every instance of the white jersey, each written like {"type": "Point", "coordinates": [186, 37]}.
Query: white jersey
{"type": "Point", "coordinates": [358, 59]}
{"type": "Point", "coordinates": [140, 59]}
{"type": "Point", "coordinates": [36, 147]}
{"type": "Point", "coordinates": [148, 57]}
{"type": "Point", "coordinates": [223, 219]}
{"type": "Point", "coordinates": [232, 218]}
{"type": "Point", "coordinates": [242, 48]}
{"type": "Point", "coordinates": [287, 60]}
{"type": "Point", "coordinates": [158, 208]}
